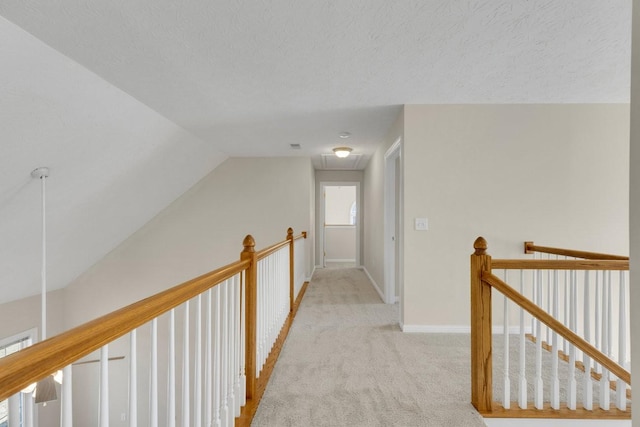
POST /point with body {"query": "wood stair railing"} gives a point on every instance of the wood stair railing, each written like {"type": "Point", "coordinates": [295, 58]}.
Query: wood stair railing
{"type": "Point", "coordinates": [32, 364]}
{"type": "Point", "coordinates": [483, 280]}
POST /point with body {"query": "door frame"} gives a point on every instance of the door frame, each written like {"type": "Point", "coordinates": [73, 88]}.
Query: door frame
{"type": "Point", "coordinates": [324, 184]}
{"type": "Point", "coordinates": [393, 261]}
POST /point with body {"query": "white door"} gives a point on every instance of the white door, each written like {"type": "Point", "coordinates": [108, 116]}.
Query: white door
{"type": "Point", "coordinates": [393, 204]}
{"type": "Point", "coordinates": [340, 225]}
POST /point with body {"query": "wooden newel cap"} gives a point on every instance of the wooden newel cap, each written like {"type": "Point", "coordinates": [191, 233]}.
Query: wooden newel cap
{"type": "Point", "coordinates": [289, 233]}
{"type": "Point", "coordinates": [249, 244]}
{"type": "Point", "coordinates": [480, 245]}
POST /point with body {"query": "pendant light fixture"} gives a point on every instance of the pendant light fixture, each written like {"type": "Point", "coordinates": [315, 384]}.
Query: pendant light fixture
{"type": "Point", "coordinates": [45, 389]}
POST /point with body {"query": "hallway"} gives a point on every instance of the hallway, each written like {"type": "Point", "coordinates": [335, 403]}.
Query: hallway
{"type": "Point", "coordinates": [346, 363]}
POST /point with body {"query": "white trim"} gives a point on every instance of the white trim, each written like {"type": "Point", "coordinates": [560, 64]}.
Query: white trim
{"type": "Point", "coordinates": [358, 223]}
{"type": "Point", "coordinates": [340, 260]}
{"type": "Point", "coordinates": [458, 329]}
{"type": "Point", "coordinates": [373, 282]}
{"type": "Point", "coordinates": [312, 271]}
{"type": "Point", "coordinates": [391, 264]}
{"type": "Point", "coordinates": [30, 334]}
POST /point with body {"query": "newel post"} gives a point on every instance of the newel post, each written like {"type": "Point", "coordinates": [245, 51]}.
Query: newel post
{"type": "Point", "coordinates": [249, 253]}
{"type": "Point", "coordinates": [291, 269]}
{"type": "Point", "coordinates": [481, 358]}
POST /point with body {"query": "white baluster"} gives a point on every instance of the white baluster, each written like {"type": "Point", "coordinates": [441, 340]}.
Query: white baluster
{"type": "Point", "coordinates": [29, 412]}
{"type": "Point", "coordinates": [66, 399]}
{"type": "Point", "coordinates": [555, 381]}
{"type": "Point", "coordinates": [243, 377]}
{"type": "Point", "coordinates": [260, 314]}
{"type": "Point", "coordinates": [522, 383]}
{"type": "Point", "coordinates": [224, 360]}
{"type": "Point", "coordinates": [236, 334]}
{"type": "Point", "coordinates": [597, 321]}
{"type": "Point", "coordinates": [605, 397]}
{"type": "Point", "coordinates": [538, 398]}
{"type": "Point", "coordinates": [14, 410]}
{"type": "Point", "coordinates": [171, 372]}
{"type": "Point", "coordinates": [217, 377]}
{"type": "Point", "coordinates": [197, 369]}
{"type": "Point", "coordinates": [534, 298]}
{"type": "Point", "coordinates": [621, 387]}
{"type": "Point", "coordinates": [208, 364]}
{"type": "Point", "coordinates": [587, 391]}
{"type": "Point", "coordinates": [133, 379]}
{"type": "Point", "coordinates": [231, 352]}
{"type": "Point", "coordinates": [506, 398]}
{"type": "Point", "coordinates": [565, 320]}
{"type": "Point", "coordinates": [103, 413]}
{"type": "Point", "coordinates": [186, 383]}
{"type": "Point", "coordinates": [153, 380]}
{"type": "Point", "coordinates": [549, 308]}
{"type": "Point", "coordinates": [572, 387]}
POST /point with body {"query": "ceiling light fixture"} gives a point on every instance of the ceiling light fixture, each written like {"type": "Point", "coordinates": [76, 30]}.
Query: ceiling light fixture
{"type": "Point", "coordinates": [342, 152]}
{"type": "Point", "coordinates": [45, 389]}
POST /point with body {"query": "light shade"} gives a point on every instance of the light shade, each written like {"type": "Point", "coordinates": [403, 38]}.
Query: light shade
{"type": "Point", "coordinates": [46, 390]}
{"type": "Point", "coordinates": [342, 152]}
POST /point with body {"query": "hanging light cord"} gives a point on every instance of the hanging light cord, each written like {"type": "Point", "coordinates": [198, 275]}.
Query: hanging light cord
{"type": "Point", "coordinates": [43, 180]}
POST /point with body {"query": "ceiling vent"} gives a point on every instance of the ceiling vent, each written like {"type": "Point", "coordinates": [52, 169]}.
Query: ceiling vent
{"type": "Point", "coordinates": [294, 146]}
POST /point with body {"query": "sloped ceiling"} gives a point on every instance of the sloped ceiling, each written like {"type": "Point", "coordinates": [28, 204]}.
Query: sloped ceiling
{"type": "Point", "coordinates": [131, 102]}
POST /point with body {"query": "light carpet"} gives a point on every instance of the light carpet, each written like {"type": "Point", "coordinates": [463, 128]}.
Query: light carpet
{"type": "Point", "coordinates": [346, 363]}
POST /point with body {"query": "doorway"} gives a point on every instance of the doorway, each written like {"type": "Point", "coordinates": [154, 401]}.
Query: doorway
{"type": "Point", "coordinates": [340, 224]}
{"type": "Point", "coordinates": [393, 227]}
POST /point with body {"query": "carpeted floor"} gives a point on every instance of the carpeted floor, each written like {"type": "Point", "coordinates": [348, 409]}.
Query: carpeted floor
{"type": "Point", "coordinates": [346, 363]}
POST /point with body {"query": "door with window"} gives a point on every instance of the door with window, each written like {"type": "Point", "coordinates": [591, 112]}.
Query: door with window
{"type": "Point", "coordinates": [340, 230]}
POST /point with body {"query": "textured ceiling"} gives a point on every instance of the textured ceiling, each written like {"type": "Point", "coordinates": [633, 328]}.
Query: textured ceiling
{"type": "Point", "coordinates": [131, 102]}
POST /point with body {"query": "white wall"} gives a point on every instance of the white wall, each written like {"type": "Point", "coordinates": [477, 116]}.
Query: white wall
{"type": "Point", "coordinates": [634, 204]}
{"type": "Point", "coordinates": [555, 174]}
{"type": "Point", "coordinates": [199, 232]}
{"type": "Point", "coordinates": [373, 255]}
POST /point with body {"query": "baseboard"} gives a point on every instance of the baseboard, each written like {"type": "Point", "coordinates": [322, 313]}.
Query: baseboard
{"type": "Point", "coordinates": [340, 260]}
{"type": "Point", "coordinates": [308, 279]}
{"type": "Point", "coordinates": [373, 282]}
{"type": "Point", "coordinates": [457, 329]}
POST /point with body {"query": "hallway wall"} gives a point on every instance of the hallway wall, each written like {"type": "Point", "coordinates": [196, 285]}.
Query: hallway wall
{"type": "Point", "coordinates": [195, 234]}
{"type": "Point", "coordinates": [554, 174]}
{"type": "Point", "coordinates": [374, 206]}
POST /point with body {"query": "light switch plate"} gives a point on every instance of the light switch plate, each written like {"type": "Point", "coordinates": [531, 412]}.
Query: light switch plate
{"type": "Point", "coordinates": [422, 224]}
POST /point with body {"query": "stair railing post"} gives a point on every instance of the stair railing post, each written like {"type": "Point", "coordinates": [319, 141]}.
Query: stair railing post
{"type": "Point", "coordinates": [481, 358]}
{"type": "Point", "coordinates": [291, 269]}
{"type": "Point", "coordinates": [251, 284]}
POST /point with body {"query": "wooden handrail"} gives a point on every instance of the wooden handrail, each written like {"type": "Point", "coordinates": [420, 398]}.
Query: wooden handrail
{"type": "Point", "coordinates": [263, 253]}
{"type": "Point", "coordinates": [559, 264]}
{"type": "Point", "coordinates": [33, 363]}
{"type": "Point", "coordinates": [271, 249]}
{"type": "Point", "coordinates": [530, 248]}
{"type": "Point", "coordinates": [556, 326]}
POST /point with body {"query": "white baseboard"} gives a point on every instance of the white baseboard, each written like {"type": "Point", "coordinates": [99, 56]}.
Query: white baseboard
{"type": "Point", "coordinates": [373, 282]}
{"type": "Point", "coordinates": [308, 279]}
{"type": "Point", "coordinates": [340, 260]}
{"type": "Point", "coordinates": [457, 329]}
